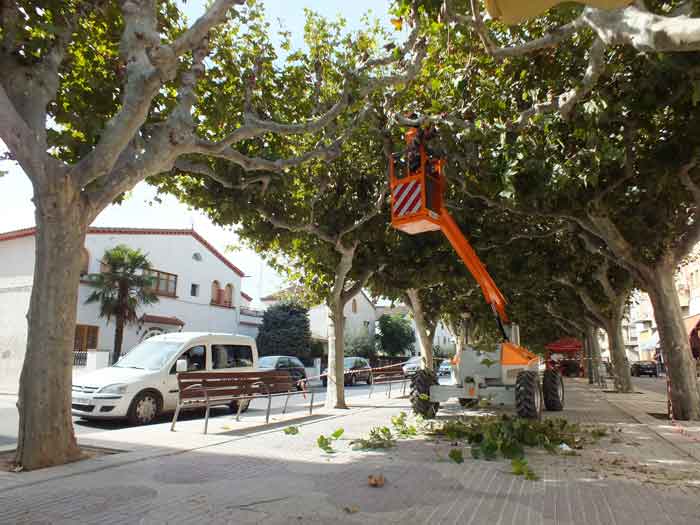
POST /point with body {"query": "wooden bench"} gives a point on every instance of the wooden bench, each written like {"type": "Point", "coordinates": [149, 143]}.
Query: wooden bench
{"type": "Point", "coordinates": [208, 389]}
{"type": "Point", "coordinates": [389, 376]}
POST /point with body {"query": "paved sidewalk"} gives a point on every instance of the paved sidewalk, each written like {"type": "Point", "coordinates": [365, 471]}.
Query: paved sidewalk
{"type": "Point", "coordinates": [649, 408]}
{"type": "Point", "coordinates": [272, 478]}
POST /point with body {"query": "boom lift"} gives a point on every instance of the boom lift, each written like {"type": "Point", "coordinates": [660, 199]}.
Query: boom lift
{"type": "Point", "coordinates": [417, 187]}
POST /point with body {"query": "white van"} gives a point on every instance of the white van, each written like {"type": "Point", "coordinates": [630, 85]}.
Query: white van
{"type": "Point", "coordinates": [143, 383]}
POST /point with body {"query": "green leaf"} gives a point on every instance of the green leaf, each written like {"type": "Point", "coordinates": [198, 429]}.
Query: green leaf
{"type": "Point", "coordinates": [337, 433]}
{"type": "Point", "coordinates": [456, 455]}
{"type": "Point", "coordinates": [291, 430]}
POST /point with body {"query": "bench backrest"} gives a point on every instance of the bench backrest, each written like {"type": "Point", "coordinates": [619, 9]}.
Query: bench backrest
{"type": "Point", "coordinates": [192, 385]}
{"type": "Point", "coordinates": [388, 374]}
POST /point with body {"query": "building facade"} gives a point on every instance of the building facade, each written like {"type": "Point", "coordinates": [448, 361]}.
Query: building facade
{"type": "Point", "coordinates": [198, 290]}
{"type": "Point", "coordinates": [360, 315]}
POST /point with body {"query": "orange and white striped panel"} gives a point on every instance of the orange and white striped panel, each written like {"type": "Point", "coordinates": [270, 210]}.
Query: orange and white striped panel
{"type": "Point", "coordinates": [407, 199]}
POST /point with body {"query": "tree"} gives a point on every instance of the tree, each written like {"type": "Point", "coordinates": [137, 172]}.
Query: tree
{"type": "Point", "coordinates": [395, 335]}
{"type": "Point", "coordinates": [285, 330]}
{"type": "Point", "coordinates": [362, 345]}
{"type": "Point", "coordinates": [121, 289]}
{"type": "Point", "coordinates": [621, 168]}
{"type": "Point", "coordinates": [98, 96]}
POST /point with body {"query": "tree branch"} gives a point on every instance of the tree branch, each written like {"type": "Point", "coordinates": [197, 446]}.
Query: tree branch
{"type": "Point", "coordinates": [692, 237]}
{"type": "Point", "coordinates": [214, 16]}
{"type": "Point", "coordinates": [643, 30]}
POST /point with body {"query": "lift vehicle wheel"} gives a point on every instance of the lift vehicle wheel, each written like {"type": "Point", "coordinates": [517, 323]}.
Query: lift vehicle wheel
{"type": "Point", "coordinates": [468, 403]}
{"type": "Point", "coordinates": [420, 393]}
{"type": "Point", "coordinates": [553, 390]}
{"type": "Point", "coordinates": [528, 395]}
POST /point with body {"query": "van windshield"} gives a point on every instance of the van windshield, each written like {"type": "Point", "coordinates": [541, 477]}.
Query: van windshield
{"type": "Point", "coordinates": [149, 355]}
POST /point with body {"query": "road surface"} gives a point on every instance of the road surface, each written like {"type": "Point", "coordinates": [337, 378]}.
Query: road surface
{"type": "Point", "coordinates": [9, 419]}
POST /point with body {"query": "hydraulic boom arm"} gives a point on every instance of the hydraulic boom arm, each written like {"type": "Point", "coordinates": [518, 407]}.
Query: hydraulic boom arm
{"type": "Point", "coordinates": [461, 245]}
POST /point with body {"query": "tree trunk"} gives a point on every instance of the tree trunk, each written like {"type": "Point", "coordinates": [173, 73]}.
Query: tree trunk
{"type": "Point", "coordinates": [335, 392]}
{"type": "Point", "coordinates": [618, 355]}
{"type": "Point", "coordinates": [425, 333]}
{"type": "Point", "coordinates": [588, 356]}
{"type": "Point", "coordinates": [46, 434]}
{"type": "Point", "coordinates": [595, 355]}
{"type": "Point", "coordinates": [118, 338]}
{"type": "Point", "coordinates": [675, 346]}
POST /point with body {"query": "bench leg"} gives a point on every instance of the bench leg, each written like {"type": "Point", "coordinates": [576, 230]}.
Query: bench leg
{"type": "Point", "coordinates": [311, 403]}
{"type": "Point", "coordinates": [284, 410]}
{"type": "Point", "coordinates": [206, 419]}
{"type": "Point", "coordinates": [177, 413]}
{"type": "Point", "coordinates": [240, 406]}
{"type": "Point", "coordinates": [269, 404]}
{"type": "Point", "coordinates": [403, 390]}
{"type": "Point", "coordinates": [388, 392]}
{"type": "Point", "coordinates": [371, 388]}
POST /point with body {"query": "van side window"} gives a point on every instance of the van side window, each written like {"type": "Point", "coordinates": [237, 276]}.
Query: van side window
{"type": "Point", "coordinates": [196, 359]}
{"type": "Point", "coordinates": [231, 356]}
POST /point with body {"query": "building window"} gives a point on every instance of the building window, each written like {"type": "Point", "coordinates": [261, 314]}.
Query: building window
{"type": "Point", "coordinates": [222, 296]}
{"type": "Point", "coordinates": [85, 337]}
{"type": "Point", "coordinates": [354, 306]}
{"type": "Point", "coordinates": [164, 283]}
{"type": "Point", "coordinates": [194, 290]}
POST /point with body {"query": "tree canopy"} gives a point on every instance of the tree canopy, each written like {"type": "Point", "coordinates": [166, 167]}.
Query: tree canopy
{"type": "Point", "coordinates": [285, 330]}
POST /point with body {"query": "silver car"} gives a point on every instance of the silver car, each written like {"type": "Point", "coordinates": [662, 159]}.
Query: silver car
{"type": "Point", "coordinates": [412, 366]}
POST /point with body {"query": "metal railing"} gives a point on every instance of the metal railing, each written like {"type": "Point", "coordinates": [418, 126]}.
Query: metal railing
{"type": "Point", "coordinates": [80, 358]}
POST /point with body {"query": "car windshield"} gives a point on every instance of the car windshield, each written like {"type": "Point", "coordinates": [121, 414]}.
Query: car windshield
{"type": "Point", "coordinates": [149, 355]}
{"type": "Point", "coordinates": [267, 362]}
{"type": "Point", "coordinates": [349, 362]}
{"type": "Point", "coordinates": [414, 360]}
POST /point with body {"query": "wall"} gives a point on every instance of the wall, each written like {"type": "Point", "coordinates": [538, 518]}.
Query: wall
{"type": "Point", "coordinates": [14, 303]}
{"type": "Point", "coordinates": [17, 257]}
{"type": "Point", "coordinates": [361, 322]}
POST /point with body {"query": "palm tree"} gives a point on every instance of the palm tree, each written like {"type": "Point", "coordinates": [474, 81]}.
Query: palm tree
{"type": "Point", "coordinates": [122, 286]}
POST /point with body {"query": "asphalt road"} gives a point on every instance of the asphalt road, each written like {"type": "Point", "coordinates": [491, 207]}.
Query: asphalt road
{"type": "Point", "coordinates": [9, 418]}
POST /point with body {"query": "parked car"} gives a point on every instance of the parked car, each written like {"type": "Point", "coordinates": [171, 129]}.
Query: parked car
{"type": "Point", "coordinates": [412, 366]}
{"type": "Point", "coordinates": [291, 364]}
{"type": "Point", "coordinates": [143, 383]}
{"type": "Point", "coordinates": [445, 368]}
{"type": "Point", "coordinates": [362, 371]}
{"type": "Point", "coordinates": [644, 368]}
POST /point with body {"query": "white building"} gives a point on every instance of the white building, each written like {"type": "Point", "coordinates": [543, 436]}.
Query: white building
{"type": "Point", "coordinates": [360, 315]}
{"type": "Point", "coordinates": [198, 288]}
{"type": "Point", "coordinates": [442, 337]}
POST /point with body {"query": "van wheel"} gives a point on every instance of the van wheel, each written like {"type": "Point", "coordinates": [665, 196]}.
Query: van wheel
{"type": "Point", "coordinates": [145, 408]}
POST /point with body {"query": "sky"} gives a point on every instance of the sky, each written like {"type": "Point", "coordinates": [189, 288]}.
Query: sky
{"type": "Point", "coordinates": [139, 210]}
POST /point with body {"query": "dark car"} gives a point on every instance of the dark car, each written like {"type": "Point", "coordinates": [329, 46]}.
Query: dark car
{"type": "Point", "coordinates": [283, 362]}
{"type": "Point", "coordinates": [361, 371]}
{"type": "Point", "coordinates": [644, 368]}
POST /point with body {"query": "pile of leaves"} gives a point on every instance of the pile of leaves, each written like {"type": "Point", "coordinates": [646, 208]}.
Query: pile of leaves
{"type": "Point", "coordinates": [383, 437]}
{"type": "Point", "coordinates": [505, 436]}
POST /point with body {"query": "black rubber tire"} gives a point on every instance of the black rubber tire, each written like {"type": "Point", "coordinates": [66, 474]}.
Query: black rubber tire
{"type": "Point", "coordinates": [468, 403]}
{"type": "Point", "coordinates": [420, 387]}
{"type": "Point", "coordinates": [233, 406]}
{"type": "Point", "coordinates": [135, 418]}
{"type": "Point", "coordinates": [528, 395]}
{"type": "Point", "coordinates": [324, 381]}
{"type": "Point", "coordinates": [553, 391]}
{"type": "Point", "coordinates": [352, 380]}
{"type": "Point", "coordinates": [370, 379]}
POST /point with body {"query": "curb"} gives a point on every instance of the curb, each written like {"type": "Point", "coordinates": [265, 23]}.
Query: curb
{"type": "Point", "coordinates": [652, 423]}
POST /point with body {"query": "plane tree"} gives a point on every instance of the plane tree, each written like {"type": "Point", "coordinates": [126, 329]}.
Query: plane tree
{"type": "Point", "coordinates": [97, 96]}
